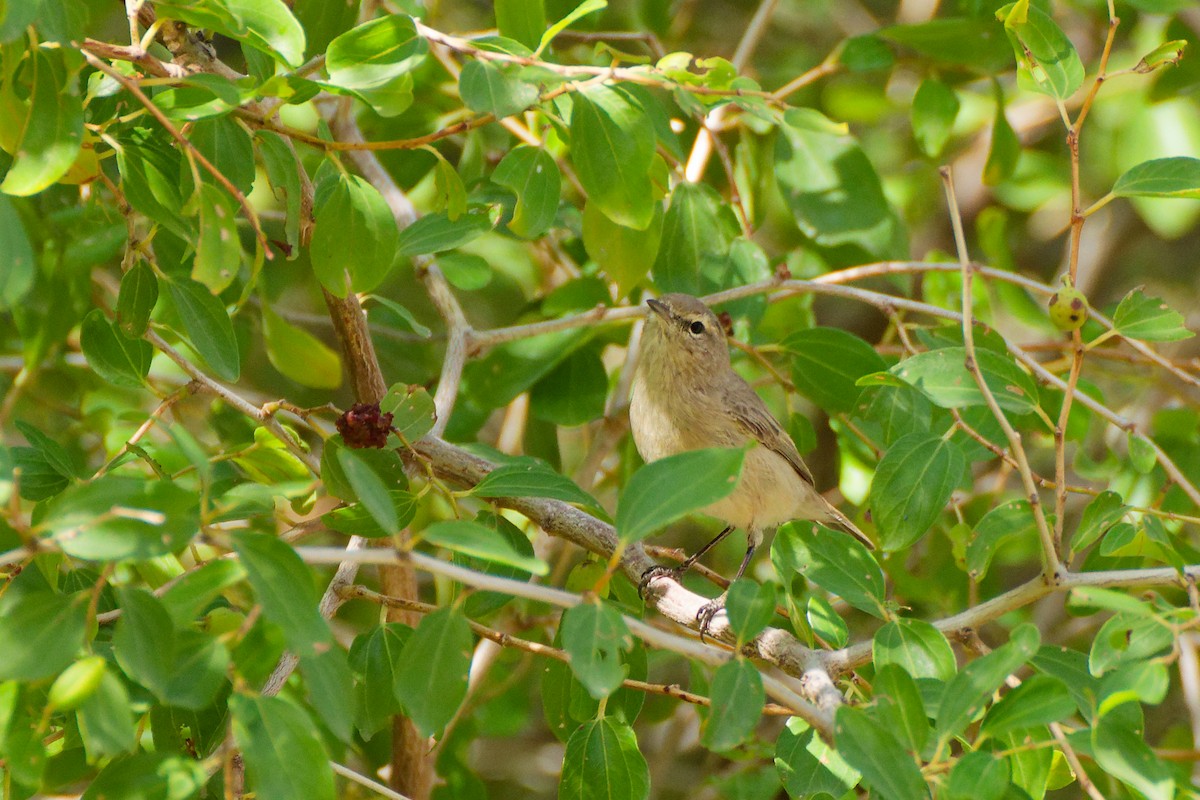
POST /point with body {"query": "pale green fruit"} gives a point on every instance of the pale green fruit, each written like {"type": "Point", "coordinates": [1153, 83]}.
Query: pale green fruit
{"type": "Point", "coordinates": [1068, 308]}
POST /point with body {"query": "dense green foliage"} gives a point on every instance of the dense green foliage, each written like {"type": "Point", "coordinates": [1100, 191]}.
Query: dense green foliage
{"type": "Point", "coordinates": [903, 220]}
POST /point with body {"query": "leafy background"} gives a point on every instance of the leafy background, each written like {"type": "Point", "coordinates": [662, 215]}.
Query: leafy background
{"type": "Point", "coordinates": [202, 594]}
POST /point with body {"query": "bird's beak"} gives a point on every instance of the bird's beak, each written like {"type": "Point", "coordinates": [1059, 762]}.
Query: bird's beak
{"type": "Point", "coordinates": [659, 308]}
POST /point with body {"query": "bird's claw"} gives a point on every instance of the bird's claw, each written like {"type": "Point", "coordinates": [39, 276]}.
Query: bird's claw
{"type": "Point", "coordinates": [657, 571]}
{"type": "Point", "coordinates": [707, 613]}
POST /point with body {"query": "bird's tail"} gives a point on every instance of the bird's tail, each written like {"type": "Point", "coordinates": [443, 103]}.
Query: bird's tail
{"type": "Point", "coordinates": [843, 522]}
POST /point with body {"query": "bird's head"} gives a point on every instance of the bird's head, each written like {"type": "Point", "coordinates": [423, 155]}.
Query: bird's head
{"type": "Point", "coordinates": [684, 335]}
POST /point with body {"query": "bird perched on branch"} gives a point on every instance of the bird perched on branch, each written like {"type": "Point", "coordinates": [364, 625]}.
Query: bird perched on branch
{"type": "Point", "coordinates": [687, 397]}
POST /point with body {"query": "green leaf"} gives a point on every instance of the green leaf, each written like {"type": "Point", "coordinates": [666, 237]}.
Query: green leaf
{"type": "Point", "coordinates": [1142, 455]}
{"type": "Point", "coordinates": [184, 668]}
{"type": "Point", "coordinates": [898, 706]}
{"type": "Point", "coordinates": [52, 136]}
{"type": "Point", "coordinates": [1048, 59]}
{"type": "Point", "coordinates": [1123, 753]}
{"type": "Point", "coordinates": [218, 249]}
{"type": "Point", "coordinates": [826, 622]}
{"type": "Point", "coordinates": [39, 478]}
{"type": "Point", "coordinates": [106, 720]}
{"type": "Point", "coordinates": [55, 454]}
{"type": "Point", "coordinates": [200, 96]}
{"type": "Point", "coordinates": [750, 607]}
{"type": "Point", "coordinates": [1149, 319]}
{"type": "Point", "coordinates": [665, 490]}
{"type": "Point", "coordinates": [574, 393]}
{"type": "Point", "coordinates": [348, 210]}
{"type": "Point", "coordinates": [1006, 521]}
{"type": "Point", "coordinates": [626, 255]}
{"type": "Point", "coordinates": [532, 175]}
{"type": "Point", "coordinates": [602, 762]}
{"type": "Point", "coordinates": [114, 518]}
{"type": "Point", "coordinates": [1039, 700]}
{"type": "Point", "coordinates": [374, 61]}
{"type": "Point", "coordinates": [531, 479]}
{"type": "Point", "coordinates": [1161, 177]}
{"type": "Point", "coordinates": [404, 314]}
{"type": "Point", "coordinates": [979, 775]}
{"type": "Point", "coordinates": [356, 520]}
{"type": "Point", "coordinates": [17, 254]}
{"type": "Point", "coordinates": [465, 271]}
{"type": "Point", "coordinates": [266, 25]}
{"type": "Point", "coordinates": [697, 232]}
{"type": "Point", "coordinates": [943, 376]}
{"type": "Point", "coordinates": [934, 109]}
{"type": "Point", "coordinates": [144, 640]}
{"type": "Point", "coordinates": [191, 593]}
{"type": "Point", "coordinates": [482, 542]}
{"type": "Point", "coordinates": [150, 168]}
{"type": "Point", "coordinates": [16, 18]}
{"type": "Point", "coordinates": [899, 410]}
{"type": "Point", "coordinates": [865, 53]}
{"type": "Point", "coordinates": [1103, 511]}
{"type": "Point", "coordinates": [330, 690]}
{"type": "Point", "coordinates": [612, 145]}
{"type": "Point", "coordinates": [970, 690]}
{"type": "Point", "coordinates": [374, 656]}
{"type": "Point", "coordinates": [875, 751]}
{"type": "Point", "coordinates": [970, 42]}
{"type": "Point", "coordinates": [594, 635]}
{"type": "Point", "coordinates": [827, 363]}
{"type": "Point", "coordinates": [912, 484]}
{"type": "Point", "coordinates": [489, 89]}
{"type": "Point", "coordinates": [414, 411]}
{"type": "Point", "coordinates": [579, 12]}
{"type": "Point", "coordinates": [142, 776]}
{"type": "Point", "coordinates": [228, 146]}
{"type": "Point", "coordinates": [737, 701]}
{"type": "Point", "coordinates": [284, 754]}
{"type": "Point", "coordinates": [1005, 149]}
{"type": "Point", "coordinates": [40, 633]}
{"type": "Point", "coordinates": [370, 489]}
{"type": "Point", "coordinates": [283, 171]}
{"type": "Point", "coordinates": [836, 562]}
{"type": "Point", "coordinates": [284, 587]}
{"type": "Point", "coordinates": [431, 680]}
{"type": "Point", "coordinates": [1167, 54]}
{"type": "Point", "coordinates": [207, 325]}
{"type": "Point", "coordinates": [136, 300]}
{"type": "Point", "coordinates": [522, 20]}
{"type": "Point", "coordinates": [1127, 638]}
{"type": "Point", "coordinates": [1085, 600]}
{"type": "Point", "coordinates": [115, 358]}
{"type": "Point", "coordinates": [299, 355]}
{"type": "Point", "coordinates": [833, 190]}
{"type": "Point", "coordinates": [808, 766]}
{"type": "Point", "coordinates": [435, 233]}
{"type": "Point", "coordinates": [916, 646]}
{"type": "Point", "coordinates": [1139, 682]}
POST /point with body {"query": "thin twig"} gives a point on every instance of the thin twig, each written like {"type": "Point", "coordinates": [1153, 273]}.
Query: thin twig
{"type": "Point", "coordinates": [239, 404]}
{"type": "Point", "coordinates": [170, 128]}
{"type": "Point", "coordinates": [363, 780]}
{"type": "Point", "coordinates": [1052, 565]}
{"type": "Point", "coordinates": [537, 648]}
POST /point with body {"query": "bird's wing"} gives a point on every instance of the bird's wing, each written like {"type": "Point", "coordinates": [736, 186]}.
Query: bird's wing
{"type": "Point", "coordinates": [751, 415]}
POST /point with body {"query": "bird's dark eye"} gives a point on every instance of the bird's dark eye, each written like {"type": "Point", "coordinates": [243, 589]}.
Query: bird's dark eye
{"type": "Point", "coordinates": [696, 327]}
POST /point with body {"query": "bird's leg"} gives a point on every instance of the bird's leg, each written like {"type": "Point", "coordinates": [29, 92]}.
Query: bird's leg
{"type": "Point", "coordinates": [709, 610]}
{"type": "Point", "coordinates": [676, 572]}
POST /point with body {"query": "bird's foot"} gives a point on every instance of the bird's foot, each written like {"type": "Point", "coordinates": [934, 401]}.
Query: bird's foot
{"type": "Point", "coordinates": [657, 571]}
{"type": "Point", "coordinates": [707, 613]}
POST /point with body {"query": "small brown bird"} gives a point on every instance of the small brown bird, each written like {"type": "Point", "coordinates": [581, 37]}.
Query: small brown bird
{"type": "Point", "coordinates": [687, 397]}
